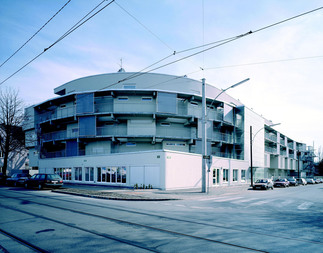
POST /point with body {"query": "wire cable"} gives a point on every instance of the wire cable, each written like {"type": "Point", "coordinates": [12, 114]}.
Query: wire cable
{"type": "Point", "coordinates": [146, 28]}
{"type": "Point", "coordinates": [77, 25]}
{"type": "Point", "coordinates": [34, 34]}
{"type": "Point", "coordinates": [265, 62]}
{"type": "Point", "coordinates": [226, 41]}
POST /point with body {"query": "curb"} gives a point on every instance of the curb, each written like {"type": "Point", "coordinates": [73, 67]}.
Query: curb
{"type": "Point", "coordinates": [111, 195]}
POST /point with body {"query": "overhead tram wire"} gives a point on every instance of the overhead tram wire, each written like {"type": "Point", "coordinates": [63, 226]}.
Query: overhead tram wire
{"type": "Point", "coordinates": [146, 28]}
{"type": "Point", "coordinates": [34, 34]}
{"type": "Point", "coordinates": [266, 62]}
{"type": "Point", "coordinates": [155, 35]}
{"type": "Point", "coordinates": [226, 41]}
{"type": "Point", "coordinates": [77, 25]}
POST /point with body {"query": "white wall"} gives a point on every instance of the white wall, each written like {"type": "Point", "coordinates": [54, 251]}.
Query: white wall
{"type": "Point", "coordinates": [257, 122]}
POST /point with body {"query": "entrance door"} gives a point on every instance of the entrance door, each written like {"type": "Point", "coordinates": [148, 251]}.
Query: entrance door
{"type": "Point", "coordinates": [89, 174]}
{"type": "Point", "coordinates": [216, 176]}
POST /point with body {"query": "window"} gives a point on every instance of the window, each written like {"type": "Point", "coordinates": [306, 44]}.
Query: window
{"type": "Point", "coordinates": [78, 174]}
{"type": "Point", "coordinates": [123, 98]}
{"type": "Point", "coordinates": [165, 124]}
{"type": "Point", "coordinates": [243, 175]}
{"type": "Point", "coordinates": [225, 175]}
{"type": "Point", "coordinates": [235, 176]}
{"type": "Point", "coordinates": [194, 104]}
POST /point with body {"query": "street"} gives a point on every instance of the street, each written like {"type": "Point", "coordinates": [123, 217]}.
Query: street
{"type": "Point", "coordinates": [279, 220]}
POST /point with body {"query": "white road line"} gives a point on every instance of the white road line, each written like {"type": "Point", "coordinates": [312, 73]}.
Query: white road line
{"type": "Point", "coordinates": [244, 200]}
{"type": "Point", "coordinates": [261, 202]}
{"type": "Point", "coordinates": [226, 199]}
{"type": "Point", "coordinates": [212, 198]}
{"type": "Point", "coordinates": [305, 205]}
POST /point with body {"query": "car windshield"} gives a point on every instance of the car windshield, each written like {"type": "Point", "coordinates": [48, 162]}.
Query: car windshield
{"type": "Point", "coordinates": [261, 181]}
{"type": "Point", "coordinates": [54, 177]}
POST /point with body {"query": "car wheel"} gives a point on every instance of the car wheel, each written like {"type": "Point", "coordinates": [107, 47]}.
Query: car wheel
{"type": "Point", "coordinates": [40, 187]}
{"type": "Point", "coordinates": [272, 187]}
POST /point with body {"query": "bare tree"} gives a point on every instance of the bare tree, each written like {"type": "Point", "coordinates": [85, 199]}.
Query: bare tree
{"type": "Point", "coordinates": [11, 120]}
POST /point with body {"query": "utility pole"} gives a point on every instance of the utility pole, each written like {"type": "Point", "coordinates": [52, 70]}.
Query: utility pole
{"type": "Point", "coordinates": [251, 169]}
{"type": "Point", "coordinates": [203, 137]}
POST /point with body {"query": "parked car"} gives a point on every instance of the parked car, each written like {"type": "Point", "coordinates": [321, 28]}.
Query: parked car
{"type": "Point", "coordinates": [17, 179]}
{"type": "Point", "coordinates": [292, 181]}
{"type": "Point", "coordinates": [263, 184]}
{"type": "Point", "coordinates": [2, 178]}
{"type": "Point", "coordinates": [310, 181]}
{"type": "Point", "coordinates": [317, 180]}
{"type": "Point", "coordinates": [301, 181]}
{"type": "Point", "coordinates": [281, 182]}
{"type": "Point", "coordinates": [44, 180]}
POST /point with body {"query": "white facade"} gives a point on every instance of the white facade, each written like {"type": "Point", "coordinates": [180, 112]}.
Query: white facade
{"type": "Point", "coordinates": [118, 130]}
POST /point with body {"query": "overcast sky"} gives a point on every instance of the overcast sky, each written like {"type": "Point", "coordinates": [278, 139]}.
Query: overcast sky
{"type": "Point", "coordinates": [283, 62]}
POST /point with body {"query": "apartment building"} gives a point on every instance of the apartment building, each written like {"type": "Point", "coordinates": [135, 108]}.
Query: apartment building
{"type": "Point", "coordinates": [131, 129]}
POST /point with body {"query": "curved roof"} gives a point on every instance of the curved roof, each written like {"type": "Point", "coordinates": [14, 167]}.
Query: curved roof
{"type": "Point", "coordinates": [141, 81]}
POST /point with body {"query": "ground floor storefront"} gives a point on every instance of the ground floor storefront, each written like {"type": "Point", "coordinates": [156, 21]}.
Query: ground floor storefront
{"type": "Point", "coordinates": [157, 169]}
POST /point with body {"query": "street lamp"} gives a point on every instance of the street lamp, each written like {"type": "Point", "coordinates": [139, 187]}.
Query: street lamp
{"type": "Point", "coordinates": [251, 141]}
{"type": "Point", "coordinates": [204, 137]}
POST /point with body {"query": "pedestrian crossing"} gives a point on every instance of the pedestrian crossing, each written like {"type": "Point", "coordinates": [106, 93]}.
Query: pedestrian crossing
{"type": "Point", "coordinates": [246, 202]}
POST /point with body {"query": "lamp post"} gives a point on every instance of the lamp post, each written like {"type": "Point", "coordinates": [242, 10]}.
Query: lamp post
{"type": "Point", "coordinates": [251, 141]}
{"type": "Point", "coordinates": [205, 157]}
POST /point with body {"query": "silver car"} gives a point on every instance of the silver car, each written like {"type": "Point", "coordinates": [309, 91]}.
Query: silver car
{"type": "Point", "coordinates": [263, 184]}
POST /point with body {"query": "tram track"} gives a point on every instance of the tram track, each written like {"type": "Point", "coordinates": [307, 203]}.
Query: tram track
{"type": "Point", "coordinates": [267, 234]}
{"type": "Point", "coordinates": [21, 242]}
{"type": "Point", "coordinates": [135, 225]}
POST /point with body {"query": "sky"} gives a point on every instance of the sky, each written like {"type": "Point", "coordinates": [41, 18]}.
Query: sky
{"type": "Point", "coordinates": [283, 62]}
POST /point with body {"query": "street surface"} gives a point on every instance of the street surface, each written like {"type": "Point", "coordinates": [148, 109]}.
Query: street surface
{"type": "Point", "coordinates": [280, 220]}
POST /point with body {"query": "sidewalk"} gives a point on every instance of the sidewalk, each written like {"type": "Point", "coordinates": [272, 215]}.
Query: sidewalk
{"type": "Point", "coordinates": [116, 193]}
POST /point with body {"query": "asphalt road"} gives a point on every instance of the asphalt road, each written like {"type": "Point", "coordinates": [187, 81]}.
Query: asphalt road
{"type": "Point", "coordinates": [282, 220]}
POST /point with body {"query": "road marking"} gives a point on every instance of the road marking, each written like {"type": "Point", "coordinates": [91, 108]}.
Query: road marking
{"type": "Point", "coordinates": [261, 202]}
{"type": "Point", "coordinates": [213, 198]}
{"type": "Point", "coordinates": [304, 205]}
{"type": "Point", "coordinates": [244, 200]}
{"type": "Point", "coordinates": [226, 199]}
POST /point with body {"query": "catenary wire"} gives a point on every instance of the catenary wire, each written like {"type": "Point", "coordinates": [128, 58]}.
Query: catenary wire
{"type": "Point", "coordinates": [146, 28]}
{"type": "Point", "coordinates": [78, 24]}
{"type": "Point", "coordinates": [212, 47]}
{"type": "Point", "coordinates": [35, 34]}
{"type": "Point", "coordinates": [265, 62]}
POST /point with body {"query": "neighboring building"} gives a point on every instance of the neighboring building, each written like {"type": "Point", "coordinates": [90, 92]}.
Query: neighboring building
{"type": "Point", "coordinates": [129, 128]}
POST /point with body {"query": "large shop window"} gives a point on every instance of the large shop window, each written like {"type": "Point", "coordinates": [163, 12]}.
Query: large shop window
{"type": "Point", "coordinates": [87, 126]}
{"type": "Point", "coordinates": [243, 175]}
{"type": "Point", "coordinates": [78, 174]}
{"type": "Point", "coordinates": [225, 175]}
{"type": "Point", "coordinates": [167, 102]}
{"type": "Point", "coordinates": [85, 103]}
{"type": "Point", "coordinates": [64, 173]}
{"type": "Point", "coordinates": [235, 176]}
{"type": "Point", "coordinates": [112, 174]}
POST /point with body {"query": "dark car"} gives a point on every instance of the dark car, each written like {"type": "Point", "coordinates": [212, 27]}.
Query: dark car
{"type": "Point", "coordinates": [292, 181]}
{"type": "Point", "coordinates": [44, 180]}
{"type": "Point", "coordinates": [263, 184]}
{"type": "Point", "coordinates": [281, 182]}
{"type": "Point", "coordinates": [17, 179]}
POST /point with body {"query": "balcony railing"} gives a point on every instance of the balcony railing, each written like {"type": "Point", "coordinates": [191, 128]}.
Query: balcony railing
{"type": "Point", "coordinates": [271, 137]}
{"type": "Point", "coordinates": [59, 113]}
{"type": "Point", "coordinates": [271, 150]}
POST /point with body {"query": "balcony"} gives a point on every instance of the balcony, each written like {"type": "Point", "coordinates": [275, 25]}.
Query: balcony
{"type": "Point", "coordinates": [60, 135]}
{"type": "Point", "coordinates": [59, 113]}
{"type": "Point", "coordinates": [271, 137]}
{"type": "Point", "coordinates": [271, 150]}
